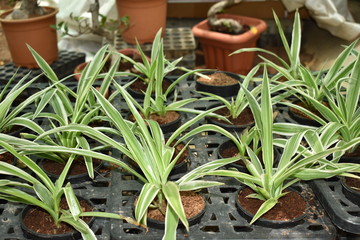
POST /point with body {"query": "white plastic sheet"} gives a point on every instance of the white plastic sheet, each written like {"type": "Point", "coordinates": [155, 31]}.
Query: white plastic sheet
{"type": "Point", "coordinates": [332, 15]}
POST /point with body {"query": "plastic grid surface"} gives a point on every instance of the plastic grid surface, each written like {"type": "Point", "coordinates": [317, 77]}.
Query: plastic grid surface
{"type": "Point", "coordinates": [64, 66]}
{"type": "Point", "coordinates": [115, 193]}
{"type": "Point", "coordinates": [343, 213]}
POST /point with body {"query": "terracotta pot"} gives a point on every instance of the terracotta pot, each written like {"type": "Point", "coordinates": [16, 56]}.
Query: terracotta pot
{"type": "Point", "coordinates": [35, 32]}
{"type": "Point", "coordinates": [217, 46]}
{"type": "Point", "coordinates": [146, 18]}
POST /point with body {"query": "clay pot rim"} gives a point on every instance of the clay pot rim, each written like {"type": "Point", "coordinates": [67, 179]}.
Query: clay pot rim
{"type": "Point", "coordinates": [268, 222]}
{"type": "Point", "coordinates": [53, 12]}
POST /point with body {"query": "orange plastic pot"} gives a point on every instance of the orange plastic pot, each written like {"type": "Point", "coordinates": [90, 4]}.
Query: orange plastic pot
{"type": "Point", "coordinates": [35, 32]}
{"type": "Point", "coordinates": [217, 46]}
{"type": "Point", "coordinates": [146, 18]}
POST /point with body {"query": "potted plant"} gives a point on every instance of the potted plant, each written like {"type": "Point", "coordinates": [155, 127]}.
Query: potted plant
{"type": "Point", "coordinates": [64, 112]}
{"type": "Point", "coordinates": [141, 13]}
{"type": "Point", "coordinates": [269, 185]}
{"type": "Point", "coordinates": [145, 143]}
{"type": "Point", "coordinates": [48, 200]}
{"type": "Point", "coordinates": [236, 32]}
{"type": "Point", "coordinates": [30, 25]}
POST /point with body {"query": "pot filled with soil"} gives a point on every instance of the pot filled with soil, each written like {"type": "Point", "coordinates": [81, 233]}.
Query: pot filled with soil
{"type": "Point", "coordinates": [168, 123]}
{"type": "Point", "coordinates": [77, 173]}
{"type": "Point", "coordinates": [224, 84]}
{"type": "Point", "coordinates": [194, 206]}
{"type": "Point", "coordinates": [301, 117]}
{"type": "Point", "coordinates": [228, 149]}
{"type": "Point", "coordinates": [8, 158]}
{"type": "Point", "coordinates": [181, 166]}
{"type": "Point", "coordinates": [139, 86]}
{"type": "Point", "coordinates": [244, 120]}
{"type": "Point", "coordinates": [351, 189]}
{"type": "Point", "coordinates": [36, 223]}
{"type": "Point", "coordinates": [289, 211]}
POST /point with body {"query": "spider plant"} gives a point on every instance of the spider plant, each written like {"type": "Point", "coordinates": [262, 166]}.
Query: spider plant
{"type": "Point", "coordinates": [299, 77]}
{"type": "Point", "coordinates": [144, 142]}
{"type": "Point", "coordinates": [38, 190]}
{"type": "Point", "coordinates": [63, 112]}
{"type": "Point", "coordinates": [269, 182]}
{"type": "Point", "coordinates": [343, 105]}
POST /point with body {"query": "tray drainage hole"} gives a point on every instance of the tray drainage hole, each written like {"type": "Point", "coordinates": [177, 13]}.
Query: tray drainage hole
{"type": "Point", "coordinates": [226, 200]}
{"type": "Point", "coordinates": [128, 193]}
{"type": "Point", "coordinates": [99, 231]}
{"type": "Point", "coordinates": [228, 190]}
{"type": "Point", "coordinates": [11, 230]}
{"type": "Point", "coordinates": [210, 229]}
{"type": "Point", "coordinates": [132, 230]}
{"type": "Point", "coordinates": [124, 202]}
{"type": "Point", "coordinates": [5, 219]}
{"type": "Point", "coordinates": [211, 145]}
{"type": "Point", "coordinates": [213, 217]}
{"type": "Point", "coordinates": [354, 213]}
{"type": "Point", "coordinates": [1, 210]}
{"type": "Point", "coordinates": [343, 204]}
{"type": "Point", "coordinates": [315, 227]}
{"type": "Point", "coordinates": [232, 218]}
{"type": "Point", "coordinates": [97, 201]}
{"type": "Point", "coordinates": [242, 229]}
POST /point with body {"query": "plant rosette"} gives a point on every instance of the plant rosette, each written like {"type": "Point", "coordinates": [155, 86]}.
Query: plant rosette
{"type": "Point", "coordinates": [182, 164]}
{"type": "Point", "coordinates": [224, 84]}
{"type": "Point", "coordinates": [78, 172]}
{"type": "Point", "coordinates": [194, 206]}
{"type": "Point", "coordinates": [351, 188]}
{"type": "Point", "coordinates": [289, 211]}
{"type": "Point", "coordinates": [228, 149]}
{"type": "Point", "coordinates": [243, 121]}
{"type": "Point", "coordinates": [38, 224]}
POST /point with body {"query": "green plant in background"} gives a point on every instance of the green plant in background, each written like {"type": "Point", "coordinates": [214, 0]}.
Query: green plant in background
{"type": "Point", "coordinates": [343, 105]}
{"type": "Point", "coordinates": [269, 182]}
{"type": "Point", "coordinates": [299, 79]}
{"type": "Point", "coordinates": [46, 194]}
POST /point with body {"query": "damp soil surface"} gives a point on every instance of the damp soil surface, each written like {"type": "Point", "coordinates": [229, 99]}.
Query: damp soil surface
{"type": "Point", "coordinates": [7, 157]}
{"type": "Point", "coordinates": [169, 117]}
{"type": "Point", "coordinates": [289, 207]}
{"type": "Point", "coordinates": [140, 86]}
{"type": "Point", "coordinates": [245, 118]}
{"type": "Point", "coordinates": [192, 202]}
{"type": "Point", "coordinates": [38, 220]}
{"type": "Point", "coordinates": [218, 79]}
{"type": "Point", "coordinates": [77, 167]}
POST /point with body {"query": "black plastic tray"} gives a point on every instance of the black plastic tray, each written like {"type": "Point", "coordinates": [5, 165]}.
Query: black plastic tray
{"type": "Point", "coordinates": [343, 213]}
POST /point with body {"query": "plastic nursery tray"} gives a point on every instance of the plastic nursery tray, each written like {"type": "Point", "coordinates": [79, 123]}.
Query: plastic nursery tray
{"type": "Point", "coordinates": [64, 66]}
{"type": "Point", "coordinates": [343, 213]}
{"type": "Point", "coordinates": [97, 191]}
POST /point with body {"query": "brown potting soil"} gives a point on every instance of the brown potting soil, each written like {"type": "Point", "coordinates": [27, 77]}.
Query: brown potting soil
{"type": "Point", "coordinates": [141, 86]}
{"type": "Point", "coordinates": [169, 117]}
{"type": "Point", "coordinates": [77, 167]}
{"type": "Point", "coordinates": [355, 153]}
{"type": "Point", "coordinates": [218, 79]}
{"type": "Point", "coordinates": [192, 202]}
{"type": "Point", "coordinates": [289, 207]}
{"type": "Point", "coordinates": [354, 183]}
{"type": "Point", "coordinates": [244, 118]}
{"type": "Point", "coordinates": [7, 157]}
{"type": "Point", "coordinates": [38, 220]}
